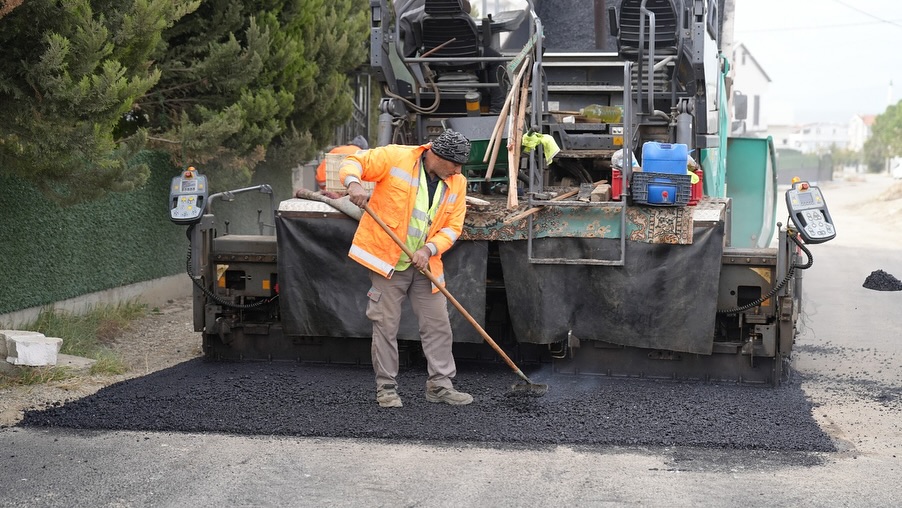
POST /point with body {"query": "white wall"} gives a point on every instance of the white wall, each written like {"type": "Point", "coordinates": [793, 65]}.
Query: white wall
{"type": "Point", "coordinates": [859, 132]}
{"type": "Point", "coordinates": [750, 79]}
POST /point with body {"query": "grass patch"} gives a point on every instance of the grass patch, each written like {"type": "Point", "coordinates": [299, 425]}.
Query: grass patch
{"type": "Point", "coordinates": [24, 376]}
{"type": "Point", "coordinates": [109, 364]}
{"type": "Point", "coordinates": [88, 335]}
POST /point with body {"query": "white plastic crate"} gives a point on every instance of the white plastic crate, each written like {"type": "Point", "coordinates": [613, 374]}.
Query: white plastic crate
{"type": "Point", "coordinates": [333, 184]}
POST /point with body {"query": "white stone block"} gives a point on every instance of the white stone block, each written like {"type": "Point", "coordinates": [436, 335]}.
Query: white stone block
{"type": "Point", "coordinates": [8, 334]}
{"type": "Point", "coordinates": [33, 351]}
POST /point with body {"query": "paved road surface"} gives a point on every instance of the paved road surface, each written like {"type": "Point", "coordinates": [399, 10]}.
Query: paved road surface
{"type": "Point", "coordinates": [849, 355]}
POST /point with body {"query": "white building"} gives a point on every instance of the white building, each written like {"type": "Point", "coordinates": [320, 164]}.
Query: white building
{"type": "Point", "coordinates": [860, 130]}
{"type": "Point", "coordinates": [783, 135]}
{"type": "Point", "coordinates": [749, 79]}
{"type": "Point", "coordinates": [819, 138]}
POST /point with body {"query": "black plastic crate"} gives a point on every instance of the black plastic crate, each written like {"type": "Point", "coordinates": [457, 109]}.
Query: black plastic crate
{"type": "Point", "coordinates": [641, 182]}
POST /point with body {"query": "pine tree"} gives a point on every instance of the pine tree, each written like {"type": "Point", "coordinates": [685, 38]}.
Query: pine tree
{"type": "Point", "coordinates": [247, 81]}
{"type": "Point", "coordinates": [70, 73]}
{"type": "Point", "coordinates": [220, 84]}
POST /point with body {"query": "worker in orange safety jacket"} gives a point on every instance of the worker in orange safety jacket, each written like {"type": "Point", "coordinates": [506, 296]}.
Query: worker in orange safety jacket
{"type": "Point", "coordinates": [356, 144]}
{"type": "Point", "coordinates": [421, 195]}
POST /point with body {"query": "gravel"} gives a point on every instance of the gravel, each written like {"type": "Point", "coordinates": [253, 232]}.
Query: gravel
{"type": "Point", "coordinates": [171, 388]}
{"type": "Point", "coordinates": [879, 280]}
{"type": "Point", "coordinates": [292, 399]}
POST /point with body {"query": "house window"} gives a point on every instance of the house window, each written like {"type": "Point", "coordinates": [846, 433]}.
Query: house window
{"type": "Point", "coordinates": [756, 110]}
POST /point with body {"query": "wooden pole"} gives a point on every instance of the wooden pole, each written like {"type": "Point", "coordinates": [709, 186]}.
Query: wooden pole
{"type": "Point", "coordinates": [527, 213]}
{"type": "Point", "coordinates": [440, 46]}
{"type": "Point", "coordinates": [515, 86]}
{"type": "Point", "coordinates": [515, 138]}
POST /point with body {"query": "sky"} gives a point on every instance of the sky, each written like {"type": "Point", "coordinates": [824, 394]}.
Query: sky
{"type": "Point", "coordinates": [827, 59]}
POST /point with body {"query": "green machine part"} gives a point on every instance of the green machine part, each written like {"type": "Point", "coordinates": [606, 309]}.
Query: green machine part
{"type": "Point", "coordinates": [751, 183]}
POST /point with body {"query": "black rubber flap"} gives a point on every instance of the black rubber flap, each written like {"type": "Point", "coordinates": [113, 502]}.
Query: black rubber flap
{"type": "Point", "coordinates": [323, 291]}
{"type": "Point", "coordinates": [664, 297]}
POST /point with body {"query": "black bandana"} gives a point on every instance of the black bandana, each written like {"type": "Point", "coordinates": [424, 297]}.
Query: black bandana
{"type": "Point", "coordinates": [452, 146]}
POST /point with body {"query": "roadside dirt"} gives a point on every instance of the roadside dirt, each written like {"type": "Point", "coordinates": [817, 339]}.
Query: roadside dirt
{"type": "Point", "coordinates": [161, 339]}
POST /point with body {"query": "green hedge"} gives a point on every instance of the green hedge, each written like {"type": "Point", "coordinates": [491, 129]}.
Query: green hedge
{"type": "Point", "coordinates": [49, 253]}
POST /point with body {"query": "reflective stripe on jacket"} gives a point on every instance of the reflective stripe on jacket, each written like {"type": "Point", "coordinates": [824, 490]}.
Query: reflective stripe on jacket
{"type": "Point", "coordinates": [395, 170]}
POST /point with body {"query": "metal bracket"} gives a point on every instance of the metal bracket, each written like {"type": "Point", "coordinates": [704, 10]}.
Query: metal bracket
{"type": "Point", "coordinates": [577, 261]}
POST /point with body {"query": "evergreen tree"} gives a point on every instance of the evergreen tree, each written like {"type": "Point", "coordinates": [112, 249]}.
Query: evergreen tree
{"type": "Point", "coordinates": [70, 72]}
{"type": "Point", "coordinates": [220, 84]}
{"type": "Point", "coordinates": [886, 138]}
{"type": "Point", "coordinates": [246, 81]}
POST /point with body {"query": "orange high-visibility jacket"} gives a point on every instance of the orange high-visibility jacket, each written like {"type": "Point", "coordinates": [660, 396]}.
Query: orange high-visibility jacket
{"type": "Point", "coordinates": [396, 171]}
{"type": "Point", "coordinates": [321, 169]}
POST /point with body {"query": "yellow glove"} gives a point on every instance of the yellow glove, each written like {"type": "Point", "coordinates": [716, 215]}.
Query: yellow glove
{"type": "Point", "coordinates": [549, 146]}
{"type": "Point", "coordinates": [693, 176]}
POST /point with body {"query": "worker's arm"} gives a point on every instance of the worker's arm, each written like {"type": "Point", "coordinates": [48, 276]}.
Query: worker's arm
{"type": "Point", "coordinates": [369, 165]}
{"type": "Point", "coordinates": [452, 223]}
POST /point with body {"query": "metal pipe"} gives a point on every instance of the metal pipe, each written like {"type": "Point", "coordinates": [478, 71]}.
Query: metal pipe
{"type": "Point", "coordinates": [651, 51]}
{"type": "Point", "coordinates": [627, 123]}
{"type": "Point", "coordinates": [229, 195]}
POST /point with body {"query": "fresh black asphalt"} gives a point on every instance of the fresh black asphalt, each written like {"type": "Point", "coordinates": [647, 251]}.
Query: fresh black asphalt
{"type": "Point", "coordinates": [290, 399]}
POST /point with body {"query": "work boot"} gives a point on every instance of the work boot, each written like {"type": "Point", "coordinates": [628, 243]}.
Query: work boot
{"type": "Point", "coordinates": [387, 396]}
{"type": "Point", "coordinates": [448, 396]}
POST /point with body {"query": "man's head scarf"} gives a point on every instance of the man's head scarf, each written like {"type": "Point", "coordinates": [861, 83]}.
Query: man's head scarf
{"type": "Point", "coordinates": [452, 146]}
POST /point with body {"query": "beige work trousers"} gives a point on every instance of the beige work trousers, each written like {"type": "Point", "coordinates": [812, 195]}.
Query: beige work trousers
{"type": "Point", "coordinates": [431, 309]}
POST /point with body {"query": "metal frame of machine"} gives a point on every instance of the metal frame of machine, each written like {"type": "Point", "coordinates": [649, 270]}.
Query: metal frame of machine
{"type": "Point", "coordinates": [592, 296]}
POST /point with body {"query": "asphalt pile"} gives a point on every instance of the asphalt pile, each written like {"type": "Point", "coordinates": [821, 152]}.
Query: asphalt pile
{"type": "Point", "coordinates": [339, 401]}
{"type": "Point", "coordinates": [879, 280]}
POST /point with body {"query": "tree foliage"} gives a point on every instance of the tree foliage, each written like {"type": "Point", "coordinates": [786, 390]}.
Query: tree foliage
{"type": "Point", "coordinates": [70, 71]}
{"type": "Point", "coordinates": [247, 81]}
{"type": "Point", "coordinates": [220, 84]}
{"type": "Point", "coordinates": [844, 157]}
{"type": "Point", "coordinates": [886, 138]}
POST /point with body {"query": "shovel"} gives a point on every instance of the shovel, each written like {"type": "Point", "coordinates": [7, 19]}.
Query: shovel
{"type": "Point", "coordinates": [529, 388]}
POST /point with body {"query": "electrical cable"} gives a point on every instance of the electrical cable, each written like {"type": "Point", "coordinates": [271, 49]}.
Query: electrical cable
{"type": "Point", "coordinates": [424, 111]}
{"type": "Point", "coordinates": [794, 236]}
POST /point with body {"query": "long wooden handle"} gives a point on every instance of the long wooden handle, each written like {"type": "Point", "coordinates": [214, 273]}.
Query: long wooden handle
{"type": "Point", "coordinates": [444, 291]}
{"type": "Point", "coordinates": [440, 46]}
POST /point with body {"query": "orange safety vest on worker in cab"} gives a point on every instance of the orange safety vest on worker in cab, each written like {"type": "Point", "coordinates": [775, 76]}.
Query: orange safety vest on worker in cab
{"type": "Point", "coordinates": [396, 171]}
{"type": "Point", "coordinates": [321, 169]}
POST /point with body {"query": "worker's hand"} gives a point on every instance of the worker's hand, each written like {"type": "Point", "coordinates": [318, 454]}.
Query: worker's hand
{"type": "Point", "coordinates": [421, 258]}
{"type": "Point", "coordinates": [357, 195]}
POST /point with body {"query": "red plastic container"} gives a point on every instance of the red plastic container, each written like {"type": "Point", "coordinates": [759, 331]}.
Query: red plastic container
{"type": "Point", "coordinates": [616, 184]}
{"type": "Point", "coordinates": [697, 190]}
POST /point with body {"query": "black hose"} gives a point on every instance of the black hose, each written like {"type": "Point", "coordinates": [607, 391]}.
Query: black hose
{"type": "Point", "coordinates": [772, 292]}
